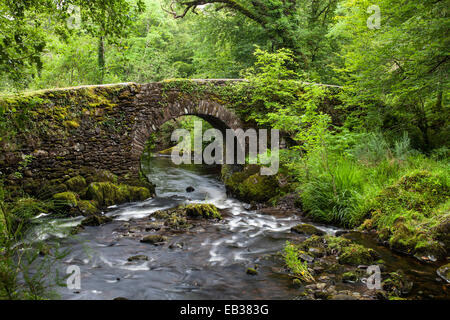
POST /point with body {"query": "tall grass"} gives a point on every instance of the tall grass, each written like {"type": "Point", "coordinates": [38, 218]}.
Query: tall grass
{"type": "Point", "coordinates": [341, 192]}
{"type": "Point", "coordinates": [24, 272]}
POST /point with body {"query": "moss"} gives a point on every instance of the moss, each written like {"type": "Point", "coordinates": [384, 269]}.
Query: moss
{"type": "Point", "coordinates": [98, 175]}
{"type": "Point", "coordinates": [87, 207]}
{"type": "Point", "coordinates": [259, 188]}
{"type": "Point", "coordinates": [138, 193]}
{"type": "Point", "coordinates": [67, 198]}
{"type": "Point", "coordinates": [76, 184]}
{"type": "Point", "coordinates": [307, 229]}
{"type": "Point", "coordinates": [252, 271]}
{"type": "Point", "coordinates": [350, 276]}
{"type": "Point", "coordinates": [337, 243]}
{"type": "Point", "coordinates": [177, 222]}
{"type": "Point", "coordinates": [397, 284]}
{"type": "Point", "coordinates": [71, 124]}
{"type": "Point", "coordinates": [355, 254]}
{"type": "Point", "coordinates": [108, 193]}
{"type": "Point", "coordinates": [207, 211]}
{"type": "Point", "coordinates": [412, 214]}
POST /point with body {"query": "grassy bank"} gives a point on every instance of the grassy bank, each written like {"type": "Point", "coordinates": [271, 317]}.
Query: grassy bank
{"type": "Point", "coordinates": [401, 194]}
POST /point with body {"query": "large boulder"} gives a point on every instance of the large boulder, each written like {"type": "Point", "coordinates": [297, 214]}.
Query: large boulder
{"type": "Point", "coordinates": [108, 194]}
{"type": "Point", "coordinates": [76, 184]}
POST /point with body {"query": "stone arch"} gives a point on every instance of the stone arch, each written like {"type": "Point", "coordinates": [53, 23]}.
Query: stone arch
{"type": "Point", "coordinates": [211, 111]}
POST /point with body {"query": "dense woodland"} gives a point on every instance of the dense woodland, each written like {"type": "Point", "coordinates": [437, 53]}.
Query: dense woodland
{"type": "Point", "coordinates": [370, 150]}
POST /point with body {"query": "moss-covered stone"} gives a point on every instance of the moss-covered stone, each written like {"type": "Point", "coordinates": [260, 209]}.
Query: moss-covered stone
{"type": "Point", "coordinates": [76, 184]}
{"type": "Point", "coordinates": [307, 229]}
{"type": "Point", "coordinates": [154, 239]}
{"type": "Point", "coordinates": [177, 222]}
{"type": "Point", "coordinates": [259, 188]}
{"type": "Point", "coordinates": [207, 211]}
{"type": "Point", "coordinates": [66, 199]}
{"type": "Point", "coordinates": [108, 194]}
{"type": "Point", "coordinates": [350, 276]}
{"type": "Point", "coordinates": [413, 215]}
{"type": "Point", "coordinates": [355, 254]}
{"type": "Point", "coordinates": [252, 271]}
{"type": "Point", "coordinates": [87, 207]}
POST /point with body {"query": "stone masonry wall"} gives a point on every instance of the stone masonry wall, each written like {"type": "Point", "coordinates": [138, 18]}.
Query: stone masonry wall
{"type": "Point", "coordinates": [56, 134]}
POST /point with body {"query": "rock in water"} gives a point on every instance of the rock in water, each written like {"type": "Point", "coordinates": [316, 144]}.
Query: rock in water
{"type": "Point", "coordinates": [95, 220]}
{"type": "Point", "coordinates": [190, 189]}
{"type": "Point", "coordinates": [154, 239]}
{"type": "Point", "coordinates": [307, 229]}
{"type": "Point", "coordinates": [138, 258]}
{"type": "Point", "coordinates": [252, 271]}
{"type": "Point", "coordinates": [444, 272]}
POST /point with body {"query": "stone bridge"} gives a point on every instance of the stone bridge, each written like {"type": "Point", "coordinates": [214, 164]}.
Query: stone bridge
{"type": "Point", "coordinates": [53, 135]}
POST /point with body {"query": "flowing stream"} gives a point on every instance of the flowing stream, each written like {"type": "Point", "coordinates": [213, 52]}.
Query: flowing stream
{"type": "Point", "coordinates": [208, 262]}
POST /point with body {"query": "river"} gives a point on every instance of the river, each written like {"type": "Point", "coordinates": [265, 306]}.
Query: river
{"type": "Point", "coordinates": [208, 262]}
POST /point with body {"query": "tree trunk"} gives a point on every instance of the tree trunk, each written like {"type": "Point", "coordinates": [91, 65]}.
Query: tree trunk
{"type": "Point", "coordinates": [101, 59]}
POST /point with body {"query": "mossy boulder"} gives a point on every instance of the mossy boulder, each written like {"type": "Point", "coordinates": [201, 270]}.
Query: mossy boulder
{"type": "Point", "coordinates": [259, 188]}
{"type": "Point", "coordinates": [307, 229]}
{"type": "Point", "coordinates": [412, 215]}
{"type": "Point", "coordinates": [76, 184]}
{"type": "Point", "coordinates": [87, 207]}
{"type": "Point", "coordinates": [356, 254]}
{"type": "Point", "coordinates": [69, 199]}
{"type": "Point", "coordinates": [206, 211]}
{"type": "Point", "coordinates": [337, 244]}
{"type": "Point", "coordinates": [108, 194]}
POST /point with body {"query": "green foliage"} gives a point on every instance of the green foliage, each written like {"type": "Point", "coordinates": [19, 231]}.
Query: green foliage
{"type": "Point", "coordinates": [24, 273]}
{"type": "Point", "coordinates": [297, 267]}
{"type": "Point", "coordinates": [397, 75]}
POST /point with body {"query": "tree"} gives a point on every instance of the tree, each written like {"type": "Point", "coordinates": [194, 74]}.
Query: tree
{"type": "Point", "coordinates": [399, 71]}
{"type": "Point", "coordinates": [25, 27]}
{"type": "Point", "coordinates": [299, 25]}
